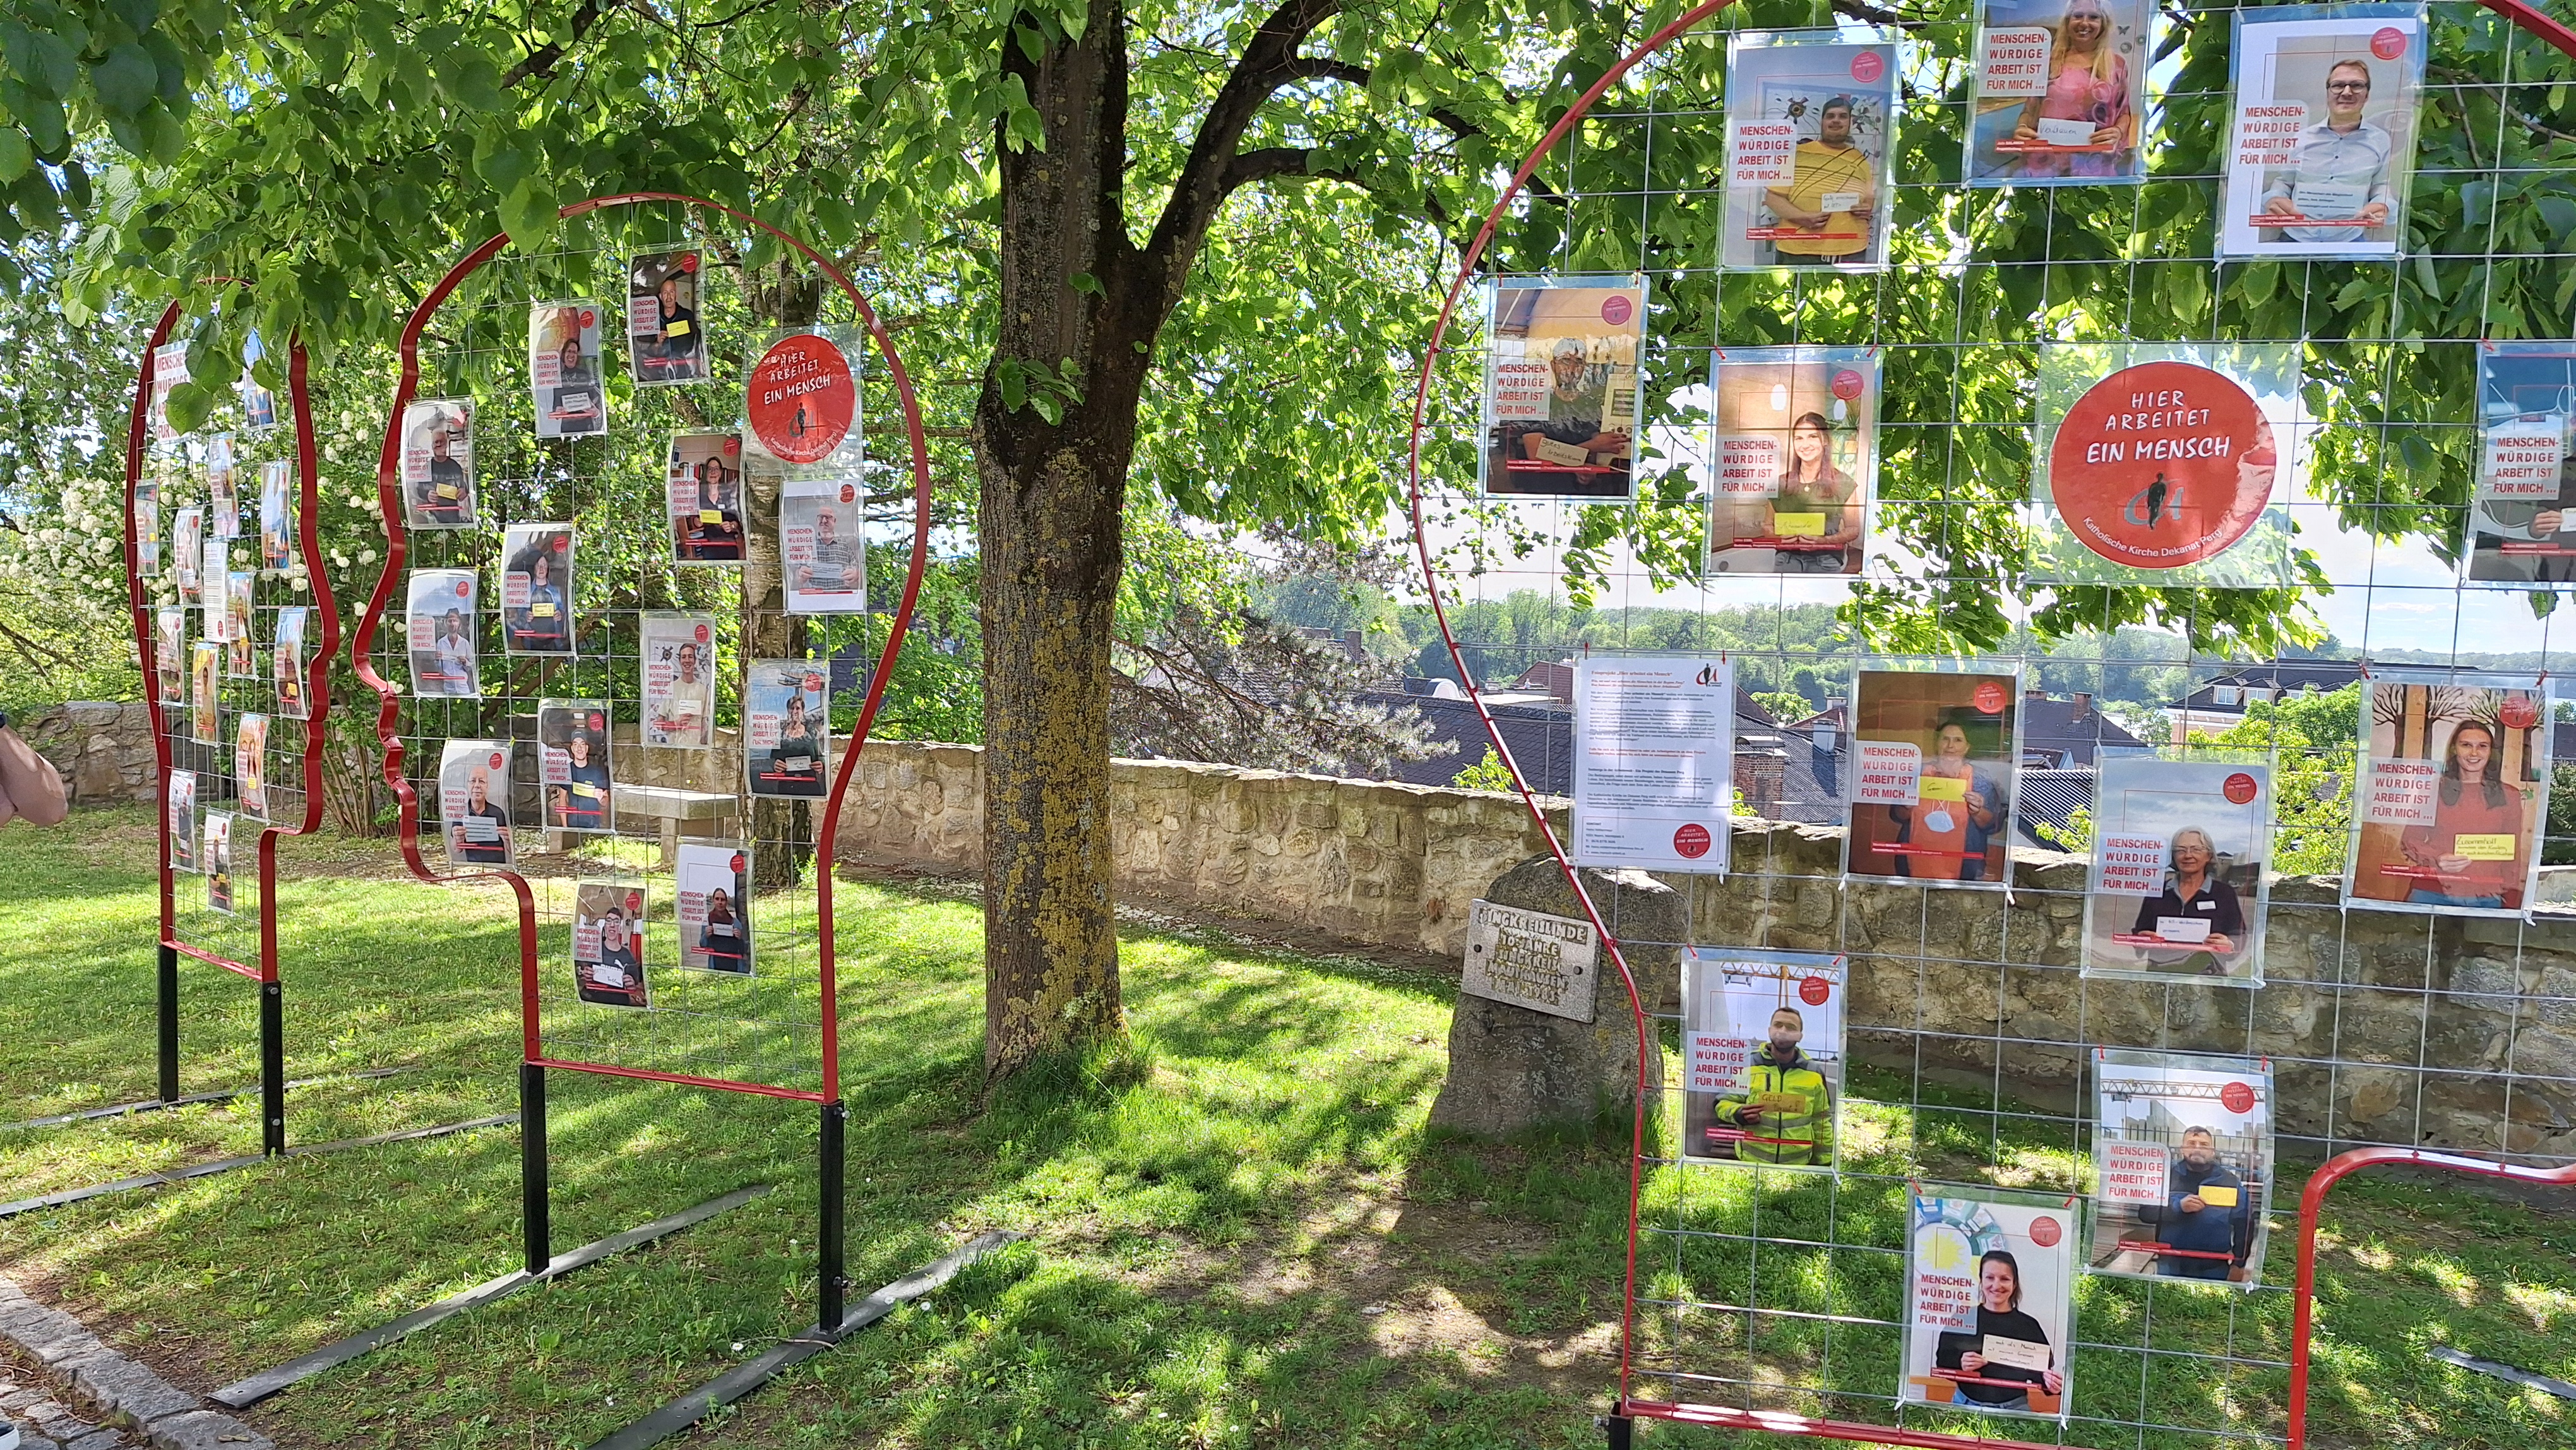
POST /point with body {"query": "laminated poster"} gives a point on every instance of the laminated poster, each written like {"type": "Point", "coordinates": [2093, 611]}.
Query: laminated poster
{"type": "Point", "coordinates": [1989, 1300]}
{"type": "Point", "coordinates": [250, 764]}
{"type": "Point", "coordinates": [1794, 459]}
{"type": "Point", "coordinates": [608, 943]}
{"type": "Point", "coordinates": [572, 764]}
{"type": "Point", "coordinates": [702, 491]}
{"type": "Point", "coordinates": [1561, 386]}
{"type": "Point", "coordinates": [223, 489]}
{"type": "Point", "coordinates": [2520, 529]}
{"type": "Point", "coordinates": [1654, 762]}
{"type": "Point", "coordinates": [563, 369]}
{"type": "Point", "coordinates": [170, 654]}
{"type": "Point", "coordinates": [2169, 464]}
{"type": "Point", "coordinates": [187, 552]}
{"type": "Point", "coordinates": [786, 733]}
{"type": "Point", "coordinates": [440, 626]}
{"type": "Point", "coordinates": [2182, 1160]}
{"type": "Point", "coordinates": [147, 527]}
{"type": "Point", "coordinates": [219, 861]}
{"type": "Point", "coordinates": [2452, 795]}
{"type": "Point", "coordinates": [715, 909]}
{"type": "Point", "coordinates": [286, 662]}
{"type": "Point", "coordinates": [179, 806]}
{"type": "Point", "coordinates": [474, 803]}
{"type": "Point", "coordinates": [240, 661]}
{"type": "Point", "coordinates": [801, 402]}
{"type": "Point", "coordinates": [2061, 92]}
{"type": "Point", "coordinates": [215, 580]}
{"type": "Point", "coordinates": [664, 334]}
{"type": "Point", "coordinates": [2321, 149]}
{"type": "Point", "coordinates": [537, 589]}
{"type": "Point", "coordinates": [679, 680]}
{"type": "Point", "coordinates": [205, 683]}
{"type": "Point", "coordinates": [820, 547]}
{"type": "Point", "coordinates": [2181, 876]}
{"type": "Point", "coordinates": [438, 464]}
{"type": "Point", "coordinates": [1932, 774]}
{"type": "Point", "coordinates": [169, 370]}
{"type": "Point", "coordinates": [277, 514]}
{"type": "Point", "coordinates": [1762, 1042]}
{"type": "Point", "coordinates": [258, 404]}
{"type": "Point", "coordinates": [1809, 179]}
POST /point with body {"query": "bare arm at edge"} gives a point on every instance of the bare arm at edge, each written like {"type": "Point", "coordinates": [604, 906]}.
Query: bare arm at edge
{"type": "Point", "coordinates": [28, 786]}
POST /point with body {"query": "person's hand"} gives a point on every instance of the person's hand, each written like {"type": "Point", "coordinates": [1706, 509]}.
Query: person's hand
{"type": "Point", "coordinates": [1972, 1363]}
{"type": "Point", "coordinates": [2192, 1203]}
{"type": "Point", "coordinates": [2025, 132]}
{"type": "Point", "coordinates": [2375, 214]}
{"type": "Point", "coordinates": [1976, 800]}
{"type": "Point", "coordinates": [2055, 1381]}
{"type": "Point", "coordinates": [2547, 521]}
{"type": "Point", "coordinates": [1749, 1113]}
{"type": "Point", "coordinates": [2107, 135]}
{"type": "Point", "coordinates": [562, 798]}
{"type": "Point", "coordinates": [2220, 942]}
{"type": "Point", "coordinates": [2453, 865]}
{"type": "Point", "coordinates": [2279, 206]}
{"type": "Point", "coordinates": [2236, 1275]}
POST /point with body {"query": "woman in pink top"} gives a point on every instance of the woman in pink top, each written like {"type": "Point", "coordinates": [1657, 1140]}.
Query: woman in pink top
{"type": "Point", "coordinates": [2088, 80]}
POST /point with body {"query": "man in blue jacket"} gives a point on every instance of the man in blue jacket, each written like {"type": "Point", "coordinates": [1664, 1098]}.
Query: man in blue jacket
{"type": "Point", "coordinates": [2206, 1232]}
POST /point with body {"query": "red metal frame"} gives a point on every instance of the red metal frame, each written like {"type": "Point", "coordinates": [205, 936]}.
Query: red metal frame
{"type": "Point", "coordinates": [2546, 28]}
{"type": "Point", "coordinates": [397, 538]}
{"type": "Point", "coordinates": [317, 661]}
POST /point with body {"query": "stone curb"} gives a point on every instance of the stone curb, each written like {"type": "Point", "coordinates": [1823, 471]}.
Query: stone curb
{"type": "Point", "coordinates": [125, 1390]}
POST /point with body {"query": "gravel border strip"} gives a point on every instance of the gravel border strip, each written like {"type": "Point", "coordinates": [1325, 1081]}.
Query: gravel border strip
{"type": "Point", "coordinates": [124, 1390]}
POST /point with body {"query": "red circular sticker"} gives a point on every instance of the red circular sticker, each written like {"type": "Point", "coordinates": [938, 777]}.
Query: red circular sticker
{"type": "Point", "coordinates": [1867, 66]}
{"type": "Point", "coordinates": [801, 398]}
{"type": "Point", "coordinates": [495, 761]}
{"type": "Point", "coordinates": [813, 682]}
{"type": "Point", "coordinates": [2518, 712]}
{"type": "Point", "coordinates": [634, 901]}
{"type": "Point", "coordinates": [688, 261]}
{"type": "Point", "coordinates": [737, 863]}
{"type": "Point", "coordinates": [1847, 384]}
{"type": "Point", "coordinates": [1691, 841]}
{"type": "Point", "coordinates": [2388, 42]}
{"type": "Point", "coordinates": [2240, 788]}
{"type": "Point", "coordinates": [463, 588]}
{"type": "Point", "coordinates": [2162, 465]}
{"type": "Point", "coordinates": [2236, 1097]}
{"type": "Point", "coordinates": [2045, 1231]}
{"type": "Point", "coordinates": [1814, 990]}
{"type": "Point", "coordinates": [596, 721]}
{"type": "Point", "coordinates": [1990, 697]}
{"type": "Point", "coordinates": [1616, 309]}
{"type": "Point", "coordinates": [849, 493]}
{"type": "Point", "coordinates": [589, 319]}
{"type": "Point", "coordinates": [702, 634]}
{"type": "Point", "coordinates": [732, 446]}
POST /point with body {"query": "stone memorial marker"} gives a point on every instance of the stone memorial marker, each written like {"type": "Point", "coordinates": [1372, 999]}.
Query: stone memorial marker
{"type": "Point", "coordinates": [1532, 959]}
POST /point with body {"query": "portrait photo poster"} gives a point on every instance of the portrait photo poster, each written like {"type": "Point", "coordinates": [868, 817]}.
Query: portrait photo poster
{"type": "Point", "coordinates": [1989, 1300]}
{"type": "Point", "coordinates": [277, 513]}
{"type": "Point", "coordinates": [1934, 757]}
{"type": "Point", "coordinates": [679, 680]}
{"type": "Point", "coordinates": [573, 779]}
{"type": "Point", "coordinates": [440, 633]}
{"type": "Point", "coordinates": [714, 907]}
{"type": "Point", "coordinates": [537, 589]}
{"type": "Point", "coordinates": [2521, 529]}
{"type": "Point", "coordinates": [179, 809]}
{"type": "Point", "coordinates": [223, 491]}
{"type": "Point", "coordinates": [1793, 453]}
{"type": "Point", "coordinates": [287, 663]}
{"type": "Point", "coordinates": [1562, 394]}
{"type": "Point", "coordinates": [2182, 1162]}
{"type": "Point", "coordinates": [2061, 92]}
{"type": "Point", "coordinates": [2181, 874]}
{"type": "Point", "coordinates": [474, 800]}
{"type": "Point", "coordinates": [563, 369]}
{"type": "Point", "coordinates": [219, 861]}
{"type": "Point", "coordinates": [786, 730]}
{"type": "Point", "coordinates": [2453, 794]}
{"type": "Point", "coordinates": [703, 494]}
{"type": "Point", "coordinates": [170, 654]}
{"type": "Point", "coordinates": [438, 464]}
{"type": "Point", "coordinates": [665, 335]}
{"type": "Point", "coordinates": [608, 942]}
{"type": "Point", "coordinates": [188, 552]}
{"type": "Point", "coordinates": [1654, 762]}
{"type": "Point", "coordinates": [205, 686]}
{"type": "Point", "coordinates": [822, 547]}
{"type": "Point", "coordinates": [1809, 159]}
{"type": "Point", "coordinates": [1762, 1046]}
{"type": "Point", "coordinates": [250, 764]}
{"type": "Point", "coordinates": [2321, 149]}
{"type": "Point", "coordinates": [240, 662]}
{"type": "Point", "coordinates": [147, 527]}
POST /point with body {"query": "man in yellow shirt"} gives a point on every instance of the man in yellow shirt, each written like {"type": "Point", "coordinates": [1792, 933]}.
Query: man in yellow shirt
{"type": "Point", "coordinates": [1785, 1110]}
{"type": "Point", "coordinates": [1832, 195]}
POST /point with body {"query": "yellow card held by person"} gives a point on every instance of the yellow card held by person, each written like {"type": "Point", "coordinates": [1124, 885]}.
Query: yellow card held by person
{"type": "Point", "coordinates": [1798, 526]}
{"type": "Point", "coordinates": [2218, 1195]}
{"type": "Point", "coordinates": [1941, 788]}
{"type": "Point", "coordinates": [2496, 847]}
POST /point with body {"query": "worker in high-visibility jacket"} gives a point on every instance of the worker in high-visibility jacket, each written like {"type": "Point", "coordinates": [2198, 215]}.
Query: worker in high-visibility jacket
{"type": "Point", "coordinates": [1785, 1109]}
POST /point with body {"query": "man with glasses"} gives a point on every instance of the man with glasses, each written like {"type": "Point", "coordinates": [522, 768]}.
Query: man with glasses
{"type": "Point", "coordinates": [2343, 167]}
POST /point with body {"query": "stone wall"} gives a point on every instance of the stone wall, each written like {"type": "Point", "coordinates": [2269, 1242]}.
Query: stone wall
{"type": "Point", "coordinates": [103, 749]}
{"type": "Point", "coordinates": [2383, 1027]}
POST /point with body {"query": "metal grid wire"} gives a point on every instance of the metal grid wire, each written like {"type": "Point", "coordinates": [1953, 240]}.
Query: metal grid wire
{"type": "Point", "coordinates": [762, 1031]}
{"type": "Point", "coordinates": [1972, 1027]}
{"type": "Point", "coordinates": [180, 474]}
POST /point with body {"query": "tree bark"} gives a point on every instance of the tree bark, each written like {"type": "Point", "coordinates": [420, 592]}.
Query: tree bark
{"type": "Point", "coordinates": [782, 831]}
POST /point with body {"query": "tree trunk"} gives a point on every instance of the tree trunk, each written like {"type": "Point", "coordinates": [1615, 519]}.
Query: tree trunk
{"type": "Point", "coordinates": [782, 831]}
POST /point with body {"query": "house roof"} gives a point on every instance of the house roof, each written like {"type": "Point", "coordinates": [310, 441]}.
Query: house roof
{"type": "Point", "coordinates": [2230, 690]}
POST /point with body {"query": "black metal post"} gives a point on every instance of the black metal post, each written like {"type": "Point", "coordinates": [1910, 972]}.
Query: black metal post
{"type": "Point", "coordinates": [532, 1167]}
{"type": "Point", "coordinates": [169, 1023]}
{"type": "Point", "coordinates": [835, 1279]}
{"type": "Point", "coordinates": [1622, 1431]}
{"type": "Point", "coordinates": [272, 1068]}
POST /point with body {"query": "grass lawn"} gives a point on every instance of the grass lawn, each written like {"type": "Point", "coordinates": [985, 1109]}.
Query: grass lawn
{"type": "Point", "coordinates": [1240, 1235]}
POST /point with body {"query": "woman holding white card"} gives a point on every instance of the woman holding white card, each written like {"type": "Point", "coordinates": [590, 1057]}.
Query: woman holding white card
{"type": "Point", "coordinates": [2087, 103]}
{"type": "Point", "coordinates": [2000, 1317]}
{"type": "Point", "coordinates": [2198, 912]}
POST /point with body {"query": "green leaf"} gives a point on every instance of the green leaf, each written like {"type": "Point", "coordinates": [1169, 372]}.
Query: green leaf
{"type": "Point", "coordinates": [15, 154]}
{"type": "Point", "coordinates": [125, 80]}
{"type": "Point", "coordinates": [1084, 282]}
{"type": "Point", "coordinates": [528, 213]}
{"type": "Point", "coordinates": [476, 85]}
{"type": "Point", "coordinates": [190, 405]}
